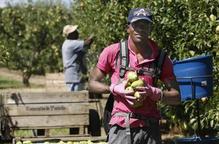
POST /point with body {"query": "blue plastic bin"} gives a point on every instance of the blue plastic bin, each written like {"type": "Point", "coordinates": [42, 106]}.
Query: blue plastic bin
{"type": "Point", "coordinates": [194, 76]}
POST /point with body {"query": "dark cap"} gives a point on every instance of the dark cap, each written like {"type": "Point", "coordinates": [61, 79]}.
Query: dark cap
{"type": "Point", "coordinates": [139, 14]}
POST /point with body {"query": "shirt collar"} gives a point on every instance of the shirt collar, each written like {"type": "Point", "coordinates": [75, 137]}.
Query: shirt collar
{"type": "Point", "coordinates": [149, 59]}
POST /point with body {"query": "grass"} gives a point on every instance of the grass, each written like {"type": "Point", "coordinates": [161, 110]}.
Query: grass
{"type": "Point", "coordinates": [8, 83]}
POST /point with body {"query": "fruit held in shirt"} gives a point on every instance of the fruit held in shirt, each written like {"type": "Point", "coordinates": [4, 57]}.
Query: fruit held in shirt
{"type": "Point", "coordinates": [132, 76]}
{"type": "Point", "coordinates": [133, 81]}
{"type": "Point", "coordinates": [139, 100]}
{"type": "Point", "coordinates": [137, 94]}
{"type": "Point", "coordinates": [137, 83]}
{"type": "Point", "coordinates": [130, 89]}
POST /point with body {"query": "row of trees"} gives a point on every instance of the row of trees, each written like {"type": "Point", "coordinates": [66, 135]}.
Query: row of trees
{"type": "Point", "coordinates": [185, 28]}
{"type": "Point", "coordinates": [31, 38]}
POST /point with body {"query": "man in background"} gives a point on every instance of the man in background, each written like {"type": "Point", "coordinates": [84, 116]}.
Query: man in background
{"type": "Point", "coordinates": [73, 51]}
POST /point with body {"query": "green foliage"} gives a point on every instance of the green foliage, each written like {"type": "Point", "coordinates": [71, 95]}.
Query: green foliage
{"type": "Point", "coordinates": [107, 22]}
{"type": "Point", "coordinates": [31, 38]}
{"type": "Point", "coordinates": [185, 28]}
{"type": "Point", "coordinates": [185, 25]}
{"type": "Point", "coordinates": [185, 116]}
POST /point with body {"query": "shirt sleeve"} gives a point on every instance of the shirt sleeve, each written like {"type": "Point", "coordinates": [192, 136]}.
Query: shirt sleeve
{"type": "Point", "coordinates": [107, 58]}
{"type": "Point", "coordinates": [79, 45]}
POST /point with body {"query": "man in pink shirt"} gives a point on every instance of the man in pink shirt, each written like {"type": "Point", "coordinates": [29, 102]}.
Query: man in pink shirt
{"type": "Point", "coordinates": [128, 123]}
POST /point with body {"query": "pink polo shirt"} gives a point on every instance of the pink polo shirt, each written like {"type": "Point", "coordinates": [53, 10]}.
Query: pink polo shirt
{"type": "Point", "coordinates": [107, 63]}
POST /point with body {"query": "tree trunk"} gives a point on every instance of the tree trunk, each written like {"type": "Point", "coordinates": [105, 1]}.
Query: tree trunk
{"type": "Point", "coordinates": [26, 77]}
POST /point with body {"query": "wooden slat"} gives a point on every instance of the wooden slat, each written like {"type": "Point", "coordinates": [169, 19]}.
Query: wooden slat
{"type": "Point", "coordinates": [32, 122]}
{"type": "Point", "coordinates": [46, 109]}
{"type": "Point", "coordinates": [65, 138]}
{"type": "Point", "coordinates": [51, 132]}
{"type": "Point", "coordinates": [56, 139]}
{"type": "Point", "coordinates": [45, 97]}
{"type": "Point", "coordinates": [48, 127]}
{"type": "Point", "coordinates": [81, 130]}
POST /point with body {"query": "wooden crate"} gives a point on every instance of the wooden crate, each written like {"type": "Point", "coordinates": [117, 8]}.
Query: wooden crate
{"type": "Point", "coordinates": [44, 110]}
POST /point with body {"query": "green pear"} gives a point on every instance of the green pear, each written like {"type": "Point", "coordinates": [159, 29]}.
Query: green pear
{"type": "Point", "coordinates": [132, 76]}
{"type": "Point", "coordinates": [61, 142]}
{"type": "Point", "coordinates": [137, 95]}
{"type": "Point", "coordinates": [27, 142]}
{"type": "Point", "coordinates": [137, 102]}
{"type": "Point", "coordinates": [137, 83]}
{"type": "Point", "coordinates": [130, 89]}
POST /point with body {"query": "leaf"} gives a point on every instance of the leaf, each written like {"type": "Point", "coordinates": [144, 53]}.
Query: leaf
{"type": "Point", "coordinates": [193, 120]}
{"type": "Point", "coordinates": [212, 123]}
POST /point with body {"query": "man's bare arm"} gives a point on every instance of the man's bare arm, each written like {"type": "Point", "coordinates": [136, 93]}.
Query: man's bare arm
{"type": "Point", "coordinates": [171, 96]}
{"type": "Point", "coordinates": [95, 85]}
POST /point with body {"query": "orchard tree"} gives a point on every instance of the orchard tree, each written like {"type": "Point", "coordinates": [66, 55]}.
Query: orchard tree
{"type": "Point", "coordinates": [185, 28]}
{"type": "Point", "coordinates": [106, 20]}
{"type": "Point", "coordinates": [31, 37]}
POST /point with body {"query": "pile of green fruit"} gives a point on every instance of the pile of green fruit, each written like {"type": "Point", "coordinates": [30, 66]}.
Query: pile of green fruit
{"type": "Point", "coordinates": [62, 142]}
{"type": "Point", "coordinates": [134, 81]}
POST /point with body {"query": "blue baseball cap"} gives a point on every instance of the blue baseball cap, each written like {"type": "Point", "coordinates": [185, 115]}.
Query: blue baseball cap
{"type": "Point", "coordinates": [139, 14]}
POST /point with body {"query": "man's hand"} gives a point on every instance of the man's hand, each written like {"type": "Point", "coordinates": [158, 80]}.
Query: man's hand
{"type": "Point", "coordinates": [119, 90]}
{"type": "Point", "coordinates": [89, 40]}
{"type": "Point", "coordinates": [153, 93]}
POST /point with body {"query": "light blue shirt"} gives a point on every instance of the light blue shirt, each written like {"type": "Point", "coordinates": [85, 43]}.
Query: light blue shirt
{"type": "Point", "coordinates": [72, 56]}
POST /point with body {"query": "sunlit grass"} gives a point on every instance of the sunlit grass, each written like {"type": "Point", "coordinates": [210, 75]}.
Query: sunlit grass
{"type": "Point", "coordinates": [6, 83]}
{"type": "Point", "coordinates": [9, 83]}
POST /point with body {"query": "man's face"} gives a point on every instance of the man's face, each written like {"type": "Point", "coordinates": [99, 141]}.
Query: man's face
{"type": "Point", "coordinates": [139, 30]}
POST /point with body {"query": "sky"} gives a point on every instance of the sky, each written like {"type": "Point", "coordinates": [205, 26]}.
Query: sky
{"type": "Point", "coordinates": [3, 2]}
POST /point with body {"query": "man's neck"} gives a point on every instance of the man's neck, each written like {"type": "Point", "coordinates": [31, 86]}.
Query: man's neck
{"type": "Point", "coordinates": [141, 48]}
